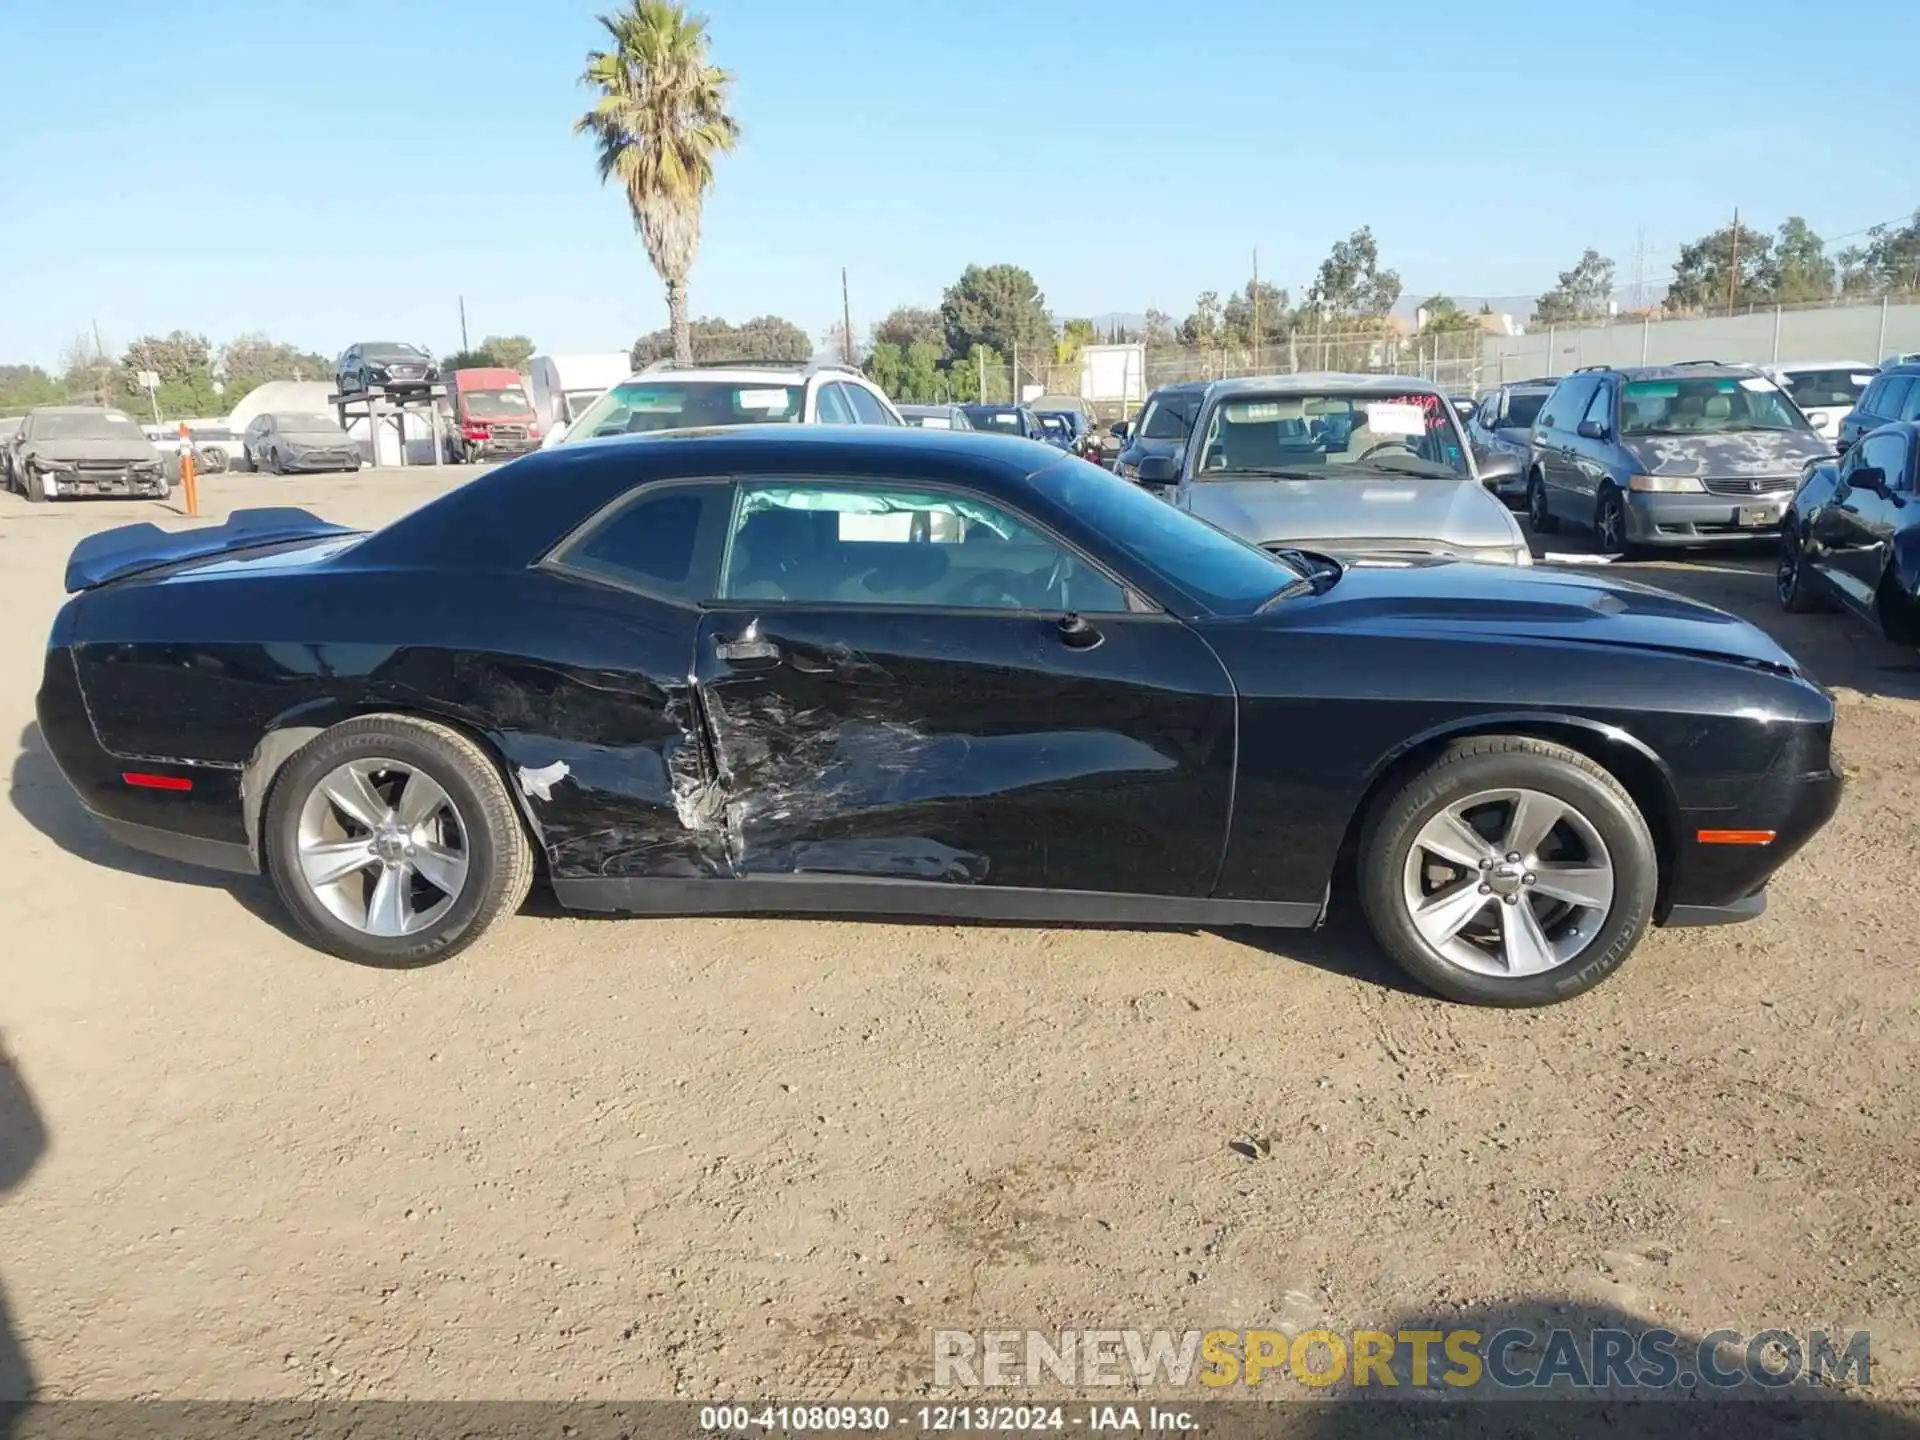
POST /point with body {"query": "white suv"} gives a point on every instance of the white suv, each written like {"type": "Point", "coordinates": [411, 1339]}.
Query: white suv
{"type": "Point", "coordinates": [665, 396]}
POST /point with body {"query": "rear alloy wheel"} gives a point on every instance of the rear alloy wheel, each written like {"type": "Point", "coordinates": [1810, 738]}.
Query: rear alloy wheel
{"type": "Point", "coordinates": [1512, 871]}
{"type": "Point", "coordinates": [393, 841]}
{"type": "Point", "coordinates": [1538, 515]}
{"type": "Point", "coordinates": [1790, 581]}
{"type": "Point", "coordinates": [1610, 524]}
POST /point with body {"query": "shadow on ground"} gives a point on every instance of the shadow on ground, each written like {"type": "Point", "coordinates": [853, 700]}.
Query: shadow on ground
{"type": "Point", "coordinates": [23, 1139]}
{"type": "Point", "coordinates": [41, 796]}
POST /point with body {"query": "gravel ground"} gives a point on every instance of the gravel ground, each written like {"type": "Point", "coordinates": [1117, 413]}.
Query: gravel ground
{"type": "Point", "coordinates": [715, 1158]}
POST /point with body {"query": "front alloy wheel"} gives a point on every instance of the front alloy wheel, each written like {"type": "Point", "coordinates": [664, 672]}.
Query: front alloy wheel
{"type": "Point", "coordinates": [1510, 871]}
{"type": "Point", "coordinates": [1610, 524]}
{"type": "Point", "coordinates": [1538, 515]}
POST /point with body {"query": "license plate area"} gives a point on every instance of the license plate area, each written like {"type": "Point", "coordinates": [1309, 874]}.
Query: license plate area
{"type": "Point", "coordinates": [1753, 516]}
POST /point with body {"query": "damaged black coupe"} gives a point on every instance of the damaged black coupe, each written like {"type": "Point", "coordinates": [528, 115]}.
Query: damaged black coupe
{"type": "Point", "coordinates": [894, 672]}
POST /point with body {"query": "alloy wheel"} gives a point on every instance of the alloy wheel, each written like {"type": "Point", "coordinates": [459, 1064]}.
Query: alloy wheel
{"type": "Point", "coordinates": [1607, 524]}
{"type": "Point", "coordinates": [1787, 576]}
{"type": "Point", "coordinates": [383, 847]}
{"type": "Point", "coordinates": [1508, 882]}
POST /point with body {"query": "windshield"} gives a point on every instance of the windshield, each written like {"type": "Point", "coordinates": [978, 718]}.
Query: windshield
{"type": "Point", "coordinates": [1331, 434]}
{"type": "Point", "coordinates": [987, 419]}
{"type": "Point", "coordinates": [307, 425]}
{"type": "Point", "coordinates": [1169, 418]}
{"type": "Point", "coordinates": [1712, 406]}
{"type": "Point", "coordinates": [84, 425]}
{"type": "Point", "coordinates": [509, 403]}
{"type": "Point", "coordinates": [640, 406]}
{"type": "Point", "coordinates": [387, 350]}
{"type": "Point", "coordinates": [1523, 408]}
{"type": "Point", "coordinates": [1053, 425]}
{"type": "Point", "coordinates": [1225, 574]}
{"type": "Point", "coordinates": [1813, 388]}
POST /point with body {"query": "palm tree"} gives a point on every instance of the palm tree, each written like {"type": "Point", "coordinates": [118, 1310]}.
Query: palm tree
{"type": "Point", "coordinates": [659, 122]}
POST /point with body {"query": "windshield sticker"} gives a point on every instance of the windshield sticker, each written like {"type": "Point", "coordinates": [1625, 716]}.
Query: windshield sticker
{"type": "Point", "coordinates": [764, 400]}
{"type": "Point", "coordinates": [1396, 418]}
{"type": "Point", "coordinates": [1388, 497]}
{"type": "Point", "coordinates": [1862, 379]}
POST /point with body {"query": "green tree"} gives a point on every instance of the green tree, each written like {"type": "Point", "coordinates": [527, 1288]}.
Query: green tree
{"type": "Point", "coordinates": [887, 367]}
{"type": "Point", "coordinates": [24, 386]}
{"type": "Point", "coordinates": [1206, 325]}
{"type": "Point", "coordinates": [511, 351]}
{"type": "Point", "coordinates": [1443, 317]}
{"type": "Point", "coordinates": [1583, 293]}
{"type": "Point", "coordinates": [1351, 284]}
{"type": "Point", "coordinates": [999, 306]}
{"type": "Point", "coordinates": [1158, 328]}
{"type": "Point", "coordinates": [1236, 316]}
{"type": "Point", "coordinates": [712, 341]}
{"type": "Point", "coordinates": [908, 325]}
{"type": "Point", "coordinates": [1075, 336]}
{"type": "Point", "coordinates": [1800, 268]}
{"type": "Point", "coordinates": [1704, 275]}
{"type": "Point", "coordinates": [922, 382]}
{"type": "Point", "coordinates": [963, 375]}
{"type": "Point", "coordinates": [478, 358]}
{"type": "Point", "coordinates": [1888, 264]}
{"type": "Point", "coordinates": [252, 360]}
{"type": "Point", "coordinates": [184, 363]}
{"type": "Point", "coordinates": [659, 123]}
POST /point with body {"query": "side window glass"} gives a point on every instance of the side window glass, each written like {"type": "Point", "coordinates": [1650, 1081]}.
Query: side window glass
{"type": "Point", "coordinates": [663, 540]}
{"type": "Point", "coordinates": [1886, 453]}
{"type": "Point", "coordinates": [1910, 407]}
{"type": "Point", "coordinates": [1567, 403]}
{"type": "Point", "coordinates": [1601, 409]}
{"type": "Point", "coordinates": [866, 409]}
{"type": "Point", "coordinates": [1893, 397]}
{"type": "Point", "coordinates": [1871, 397]}
{"type": "Point", "coordinates": [867, 544]}
{"type": "Point", "coordinates": [834, 409]}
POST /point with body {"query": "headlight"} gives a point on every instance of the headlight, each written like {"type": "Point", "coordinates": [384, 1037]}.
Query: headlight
{"type": "Point", "coordinates": [1126, 471]}
{"type": "Point", "coordinates": [51, 466]}
{"type": "Point", "coordinates": [1666, 484]}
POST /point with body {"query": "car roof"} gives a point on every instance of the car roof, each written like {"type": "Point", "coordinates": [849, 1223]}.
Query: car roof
{"type": "Point", "coordinates": [1687, 370]}
{"type": "Point", "coordinates": [728, 374]}
{"type": "Point", "coordinates": [79, 410]}
{"type": "Point", "coordinates": [1782, 365]}
{"type": "Point", "coordinates": [1307, 382]}
{"type": "Point", "coordinates": [1179, 387]}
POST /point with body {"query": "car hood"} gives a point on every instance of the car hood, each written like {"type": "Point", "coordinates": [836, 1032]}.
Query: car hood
{"type": "Point", "coordinates": [1744, 452]}
{"type": "Point", "coordinates": [1459, 512]}
{"type": "Point", "coordinates": [136, 447]}
{"type": "Point", "coordinates": [1450, 597]}
{"type": "Point", "coordinates": [316, 439]}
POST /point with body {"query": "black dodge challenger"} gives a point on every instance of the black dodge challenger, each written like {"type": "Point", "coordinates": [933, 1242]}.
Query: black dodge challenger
{"type": "Point", "coordinates": [896, 672]}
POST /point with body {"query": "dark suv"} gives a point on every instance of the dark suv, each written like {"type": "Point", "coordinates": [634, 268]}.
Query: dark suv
{"type": "Point", "coordinates": [1161, 427]}
{"type": "Point", "coordinates": [1893, 395]}
{"type": "Point", "coordinates": [1667, 455]}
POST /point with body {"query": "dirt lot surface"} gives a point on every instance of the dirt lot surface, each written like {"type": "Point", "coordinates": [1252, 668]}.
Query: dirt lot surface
{"type": "Point", "coordinates": [716, 1158]}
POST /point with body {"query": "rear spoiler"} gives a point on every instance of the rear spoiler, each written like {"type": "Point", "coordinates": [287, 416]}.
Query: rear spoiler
{"type": "Point", "coordinates": [131, 549]}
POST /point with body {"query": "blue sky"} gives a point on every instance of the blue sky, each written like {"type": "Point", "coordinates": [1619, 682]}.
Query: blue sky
{"type": "Point", "coordinates": [335, 171]}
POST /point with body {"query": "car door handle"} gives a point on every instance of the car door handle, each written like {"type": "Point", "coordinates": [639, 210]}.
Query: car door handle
{"type": "Point", "coordinates": [749, 644]}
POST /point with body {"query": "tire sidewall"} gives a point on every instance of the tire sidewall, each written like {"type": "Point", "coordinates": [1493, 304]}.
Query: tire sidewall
{"type": "Point", "coordinates": [1610, 499]}
{"type": "Point", "coordinates": [280, 844]}
{"type": "Point", "coordinates": [1538, 514]}
{"type": "Point", "coordinates": [1620, 825]}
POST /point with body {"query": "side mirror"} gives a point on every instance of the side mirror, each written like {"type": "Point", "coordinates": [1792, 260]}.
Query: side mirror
{"type": "Point", "coordinates": [1119, 429]}
{"type": "Point", "coordinates": [1592, 430]}
{"type": "Point", "coordinates": [1159, 470]}
{"type": "Point", "coordinates": [1869, 477]}
{"type": "Point", "coordinates": [1498, 468]}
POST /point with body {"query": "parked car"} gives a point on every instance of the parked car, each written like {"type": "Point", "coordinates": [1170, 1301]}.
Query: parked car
{"type": "Point", "coordinates": [1901, 357]}
{"type": "Point", "coordinates": [1667, 455]}
{"type": "Point", "coordinates": [685, 675]}
{"type": "Point", "coordinates": [216, 448]}
{"type": "Point", "coordinates": [1351, 466]}
{"type": "Point", "coordinates": [1160, 429]}
{"type": "Point", "coordinates": [491, 416]}
{"type": "Point", "coordinates": [564, 385]}
{"type": "Point", "coordinates": [61, 452]}
{"type": "Point", "coordinates": [935, 417]}
{"type": "Point", "coordinates": [1055, 431]}
{"type": "Point", "coordinates": [1825, 390]}
{"type": "Point", "coordinates": [1502, 425]}
{"type": "Point", "coordinates": [1463, 406]}
{"type": "Point", "coordinates": [1081, 438]}
{"type": "Point", "coordinates": [665, 396]}
{"type": "Point", "coordinates": [1852, 534]}
{"type": "Point", "coordinates": [1892, 395]}
{"type": "Point", "coordinates": [388, 366]}
{"type": "Point", "coordinates": [9, 427]}
{"type": "Point", "coordinates": [1007, 420]}
{"type": "Point", "coordinates": [280, 443]}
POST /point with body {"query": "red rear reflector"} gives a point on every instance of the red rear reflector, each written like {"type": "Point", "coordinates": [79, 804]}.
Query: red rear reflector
{"type": "Point", "coordinates": [1735, 837]}
{"type": "Point", "coordinates": [156, 782]}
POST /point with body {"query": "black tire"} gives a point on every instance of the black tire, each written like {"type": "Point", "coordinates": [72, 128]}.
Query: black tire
{"type": "Point", "coordinates": [1791, 585]}
{"type": "Point", "coordinates": [1610, 507]}
{"type": "Point", "coordinates": [33, 485]}
{"type": "Point", "coordinates": [499, 857]}
{"type": "Point", "coordinates": [1494, 762]}
{"type": "Point", "coordinates": [1894, 608]}
{"type": "Point", "coordinates": [273, 461]}
{"type": "Point", "coordinates": [1543, 520]}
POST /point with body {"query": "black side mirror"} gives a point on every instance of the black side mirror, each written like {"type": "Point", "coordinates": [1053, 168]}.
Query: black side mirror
{"type": "Point", "coordinates": [1119, 429]}
{"type": "Point", "coordinates": [1496, 468]}
{"type": "Point", "coordinates": [1869, 477]}
{"type": "Point", "coordinates": [1159, 470]}
{"type": "Point", "coordinates": [1592, 430]}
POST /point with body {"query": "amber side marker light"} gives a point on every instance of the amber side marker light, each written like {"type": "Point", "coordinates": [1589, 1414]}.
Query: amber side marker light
{"type": "Point", "coordinates": [1735, 837]}
{"type": "Point", "coordinates": [156, 782]}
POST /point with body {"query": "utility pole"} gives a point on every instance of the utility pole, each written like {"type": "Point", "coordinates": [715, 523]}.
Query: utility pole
{"type": "Point", "coordinates": [846, 319]}
{"type": "Point", "coordinates": [100, 367]}
{"type": "Point", "coordinates": [1733, 270]}
{"type": "Point", "coordinates": [1255, 297]}
{"type": "Point", "coordinates": [463, 324]}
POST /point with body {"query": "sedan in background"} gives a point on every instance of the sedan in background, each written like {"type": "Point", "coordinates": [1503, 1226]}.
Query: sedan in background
{"type": "Point", "coordinates": [936, 417]}
{"type": "Point", "coordinates": [391, 366]}
{"type": "Point", "coordinates": [1358, 467]}
{"type": "Point", "coordinates": [1007, 420]}
{"type": "Point", "coordinates": [64, 451]}
{"type": "Point", "coordinates": [1502, 425]}
{"type": "Point", "coordinates": [854, 670]}
{"type": "Point", "coordinates": [1852, 534]}
{"type": "Point", "coordinates": [281, 443]}
{"type": "Point", "coordinates": [1160, 429]}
